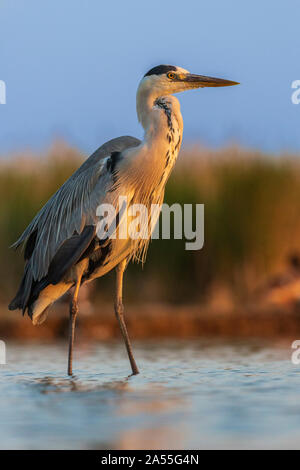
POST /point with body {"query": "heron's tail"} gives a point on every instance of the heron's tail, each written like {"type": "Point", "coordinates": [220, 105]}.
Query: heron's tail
{"type": "Point", "coordinates": [22, 296]}
{"type": "Point", "coordinates": [36, 297]}
{"type": "Point", "coordinates": [38, 309]}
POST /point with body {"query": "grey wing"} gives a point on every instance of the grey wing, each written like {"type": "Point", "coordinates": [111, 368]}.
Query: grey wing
{"type": "Point", "coordinates": [71, 208]}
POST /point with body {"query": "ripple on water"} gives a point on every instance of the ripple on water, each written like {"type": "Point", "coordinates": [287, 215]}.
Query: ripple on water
{"type": "Point", "coordinates": [198, 394]}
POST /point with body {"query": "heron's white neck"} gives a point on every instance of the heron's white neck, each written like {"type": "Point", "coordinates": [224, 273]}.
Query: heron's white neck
{"type": "Point", "coordinates": [145, 99]}
{"type": "Point", "coordinates": [145, 103]}
{"type": "Point", "coordinates": [162, 121]}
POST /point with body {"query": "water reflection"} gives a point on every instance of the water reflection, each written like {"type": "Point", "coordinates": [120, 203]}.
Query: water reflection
{"type": "Point", "coordinates": [74, 384]}
{"type": "Point", "coordinates": [199, 394]}
{"type": "Point", "coordinates": [159, 437]}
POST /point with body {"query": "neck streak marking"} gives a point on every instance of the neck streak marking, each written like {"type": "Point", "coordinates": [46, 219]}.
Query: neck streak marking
{"type": "Point", "coordinates": [170, 155]}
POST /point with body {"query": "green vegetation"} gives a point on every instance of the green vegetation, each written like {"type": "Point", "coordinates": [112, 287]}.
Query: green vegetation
{"type": "Point", "coordinates": [252, 223]}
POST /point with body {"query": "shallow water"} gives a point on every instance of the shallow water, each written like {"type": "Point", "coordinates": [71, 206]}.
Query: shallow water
{"type": "Point", "coordinates": [198, 394]}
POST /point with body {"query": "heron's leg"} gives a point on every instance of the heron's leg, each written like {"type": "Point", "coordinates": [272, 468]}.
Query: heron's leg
{"type": "Point", "coordinates": [73, 315]}
{"type": "Point", "coordinates": [119, 311]}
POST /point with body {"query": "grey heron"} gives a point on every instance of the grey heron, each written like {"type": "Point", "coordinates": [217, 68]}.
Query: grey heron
{"type": "Point", "coordinates": [62, 249]}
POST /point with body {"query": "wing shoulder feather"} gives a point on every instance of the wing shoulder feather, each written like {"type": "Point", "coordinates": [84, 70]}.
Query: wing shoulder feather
{"type": "Point", "coordinates": [71, 208]}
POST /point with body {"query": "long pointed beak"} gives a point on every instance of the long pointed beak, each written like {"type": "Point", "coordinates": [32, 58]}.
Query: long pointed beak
{"type": "Point", "coordinates": [203, 81]}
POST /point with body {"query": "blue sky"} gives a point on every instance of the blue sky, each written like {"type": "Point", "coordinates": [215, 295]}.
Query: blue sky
{"type": "Point", "coordinates": [72, 68]}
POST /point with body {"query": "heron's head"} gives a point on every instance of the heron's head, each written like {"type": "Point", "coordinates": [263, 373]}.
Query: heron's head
{"type": "Point", "coordinates": [169, 79]}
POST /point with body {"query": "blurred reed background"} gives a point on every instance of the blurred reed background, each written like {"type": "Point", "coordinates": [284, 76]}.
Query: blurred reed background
{"type": "Point", "coordinates": [243, 282]}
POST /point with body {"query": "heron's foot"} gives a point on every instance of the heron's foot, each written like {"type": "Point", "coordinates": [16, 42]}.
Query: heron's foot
{"type": "Point", "coordinates": [119, 311]}
{"type": "Point", "coordinates": [73, 315]}
{"type": "Point", "coordinates": [135, 371]}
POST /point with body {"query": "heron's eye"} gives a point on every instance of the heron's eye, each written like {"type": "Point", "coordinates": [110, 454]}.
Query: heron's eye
{"type": "Point", "coordinates": [171, 75]}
